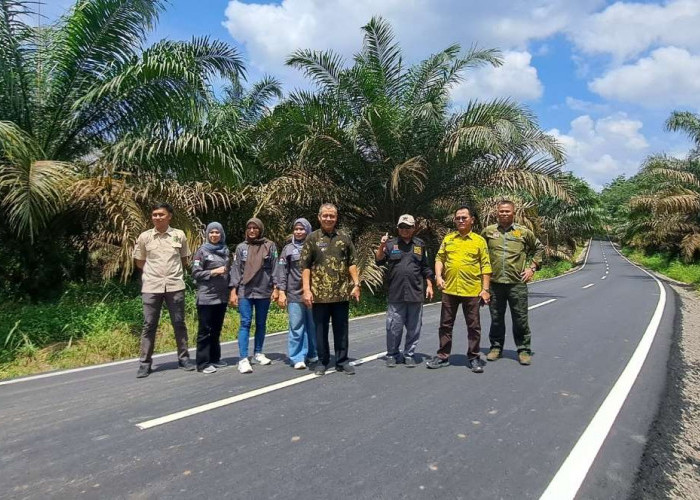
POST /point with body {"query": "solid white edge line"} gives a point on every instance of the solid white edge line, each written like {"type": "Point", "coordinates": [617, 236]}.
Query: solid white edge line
{"type": "Point", "coordinates": [588, 285]}
{"type": "Point", "coordinates": [585, 261]}
{"type": "Point", "coordinates": [148, 424]}
{"type": "Point", "coordinates": [541, 304]}
{"type": "Point", "coordinates": [155, 356]}
{"type": "Point", "coordinates": [574, 470]}
{"type": "Point", "coordinates": [164, 354]}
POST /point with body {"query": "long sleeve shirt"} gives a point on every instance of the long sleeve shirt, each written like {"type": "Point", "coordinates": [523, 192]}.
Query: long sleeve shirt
{"type": "Point", "coordinates": [210, 289]}
{"type": "Point", "coordinates": [465, 259]}
{"type": "Point", "coordinates": [260, 287]}
{"type": "Point", "coordinates": [512, 250]}
{"type": "Point", "coordinates": [288, 273]}
{"type": "Point", "coordinates": [407, 270]}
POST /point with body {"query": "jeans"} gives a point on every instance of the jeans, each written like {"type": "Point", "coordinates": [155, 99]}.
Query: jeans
{"type": "Point", "coordinates": [152, 305]}
{"type": "Point", "coordinates": [302, 333]}
{"type": "Point", "coordinates": [211, 319]}
{"type": "Point", "coordinates": [337, 312]}
{"type": "Point", "coordinates": [245, 309]}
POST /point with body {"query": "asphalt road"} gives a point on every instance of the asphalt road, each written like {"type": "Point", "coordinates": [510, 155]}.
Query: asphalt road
{"type": "Point", "coordinates": [383, 433]}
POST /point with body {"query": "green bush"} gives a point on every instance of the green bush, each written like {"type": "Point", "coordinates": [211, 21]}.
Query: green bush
{"type": "Point", "coordinates": [666, 265]}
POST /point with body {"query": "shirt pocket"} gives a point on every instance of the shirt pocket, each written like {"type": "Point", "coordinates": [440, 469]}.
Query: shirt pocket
{"type": "Point", "coordinates": [267, 262]}
{"type": "Point", "coordinates": [470, 256]}
{"type": "Point", "coordinates": [151, 246]}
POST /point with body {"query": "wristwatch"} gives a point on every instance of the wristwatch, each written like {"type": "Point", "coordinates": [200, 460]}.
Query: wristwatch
{"type": "Point", "coordinates": [356, 285]}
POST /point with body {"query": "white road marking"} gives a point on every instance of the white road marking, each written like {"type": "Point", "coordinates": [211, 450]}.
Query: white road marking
{"type": "Point", "coordinates": [603, 277]}
{"type": "Point", "coordinates": [574, 470]}
{"type": "Point", "coordinates": [541, 304]}
{"type": "Point", "coordinates": [588, 285]}
{"type": "Point", "coordinates": [155, 356]}
{"type": "Point", "coordinates": [164, 354]}
{"type": "Point", "coordinates": [148, 424]}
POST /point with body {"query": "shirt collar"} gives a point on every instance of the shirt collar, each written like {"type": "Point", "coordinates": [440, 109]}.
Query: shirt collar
{"type": "Point", "coordinates": [169, 230]}
{"type": "Point", "coordinates": [506, 229]}
{"type": "Point", "coordinates": [468, 235]}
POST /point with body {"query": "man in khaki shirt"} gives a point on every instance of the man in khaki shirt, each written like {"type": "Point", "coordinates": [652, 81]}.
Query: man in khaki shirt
{"type": "Point", "coordinates": [161, 253]}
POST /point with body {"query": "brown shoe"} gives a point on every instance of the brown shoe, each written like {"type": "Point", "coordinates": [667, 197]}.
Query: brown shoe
{"type": "Point", "coordinates": [494, 354]}
{"type": "Point", "coordinates": [524, 358]}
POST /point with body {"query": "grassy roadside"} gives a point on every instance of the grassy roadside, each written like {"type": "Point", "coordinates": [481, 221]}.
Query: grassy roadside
{"type": "Point", "coordinates": [92, 324]}
{"type": "Point", "coordinates": [668, 266]}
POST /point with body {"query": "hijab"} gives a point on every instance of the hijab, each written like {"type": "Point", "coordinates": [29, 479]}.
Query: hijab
{"type": "Point", "coordinates": [257, 250]}
{"type": "Point", "coordinates": [219, 248]}
{"type": "Point", "coordinates": [307, 227]}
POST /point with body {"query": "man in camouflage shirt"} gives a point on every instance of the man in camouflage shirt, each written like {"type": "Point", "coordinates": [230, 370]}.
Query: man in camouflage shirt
{"type": "Point", "coordinates": [516, 254]}
{"type": "Point", "coordinates": [328, 259]}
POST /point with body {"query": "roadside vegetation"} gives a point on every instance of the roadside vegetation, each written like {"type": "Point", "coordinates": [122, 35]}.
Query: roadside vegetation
{"type": "Point", "coordinates": [96, 125]}
{"type": "Point", "coordinates": [655, 215]}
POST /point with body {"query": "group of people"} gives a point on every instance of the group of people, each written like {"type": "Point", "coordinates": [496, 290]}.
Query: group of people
{"type": "Point", "coordinates": [315, 276]}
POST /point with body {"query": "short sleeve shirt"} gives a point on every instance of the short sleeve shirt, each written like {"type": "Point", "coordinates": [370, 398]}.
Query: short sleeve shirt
{"type": "Point", "coordinates": [163, 253]}
{"type": "Point", "coordinates": [329, 257]}
{"type": "Point", "coordinates": [465, 259]}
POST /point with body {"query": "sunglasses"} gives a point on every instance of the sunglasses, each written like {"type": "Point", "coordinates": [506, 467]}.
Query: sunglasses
{"type": "Point", "coordinates": [404, 226]}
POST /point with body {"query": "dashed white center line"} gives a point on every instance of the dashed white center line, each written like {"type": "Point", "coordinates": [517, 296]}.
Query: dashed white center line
{"type": "Point", "coordinates": [603, 277]}
{"type": "Point", "coordinates": [588, 285]}
{"type": "Point", "coordinates": [148, 424]}
{"type": "Point", "coordinates": [542, 304]}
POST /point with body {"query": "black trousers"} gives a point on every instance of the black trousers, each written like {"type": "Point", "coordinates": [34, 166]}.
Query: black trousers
{"type": "Point", "coordinates": [211, 319]}
{"type": "Point", "coordinates": [337, 312]}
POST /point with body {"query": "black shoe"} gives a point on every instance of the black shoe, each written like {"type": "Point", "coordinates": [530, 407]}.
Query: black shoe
{"type": "Point", "coordinates": [437, 362]}
{"type": "Point", "coordinates": [186, 365]}
{"type": "Point", "coordinates": [320, 369]}
{"type": "Point", "coordinates": [475, 365]}
{"type": "Point", "coordinates": [410, 362]}
{"type": "Point", "coordinates": [144, 371]}
{"type": "Point", "coordinates": [347, 368]}
{"type": "Point", "coordinates": [390, 362]}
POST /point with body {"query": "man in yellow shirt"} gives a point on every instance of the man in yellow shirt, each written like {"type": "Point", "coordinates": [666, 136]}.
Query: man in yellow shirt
{"type": "Point", "coordinates": [463, 259]}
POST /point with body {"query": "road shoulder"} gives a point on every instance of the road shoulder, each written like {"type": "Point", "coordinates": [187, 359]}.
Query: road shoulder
{"type": "Point", "coordinates": [670, 465]}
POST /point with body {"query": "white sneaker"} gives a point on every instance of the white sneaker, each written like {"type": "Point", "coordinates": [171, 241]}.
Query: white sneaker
{"type": "Point", "coordinates": [244, 366]}
{"type": "Point", "coordinates": [260, 358]}
{"type": "Point", "coordinates": [209, 369]}
{"type": "Point", "coordinates": [300, 365]}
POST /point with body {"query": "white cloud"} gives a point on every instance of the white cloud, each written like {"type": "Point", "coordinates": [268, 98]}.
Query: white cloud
{"type": "Point", "coordinates": [516, 79]}
{"type": "Point", "coordinates": [586, 106]}
{"type": "Point", "coordinates": [626, 30]}
{"type": "Point", "coordinates": [668, 78]}
{"type": "Point", "coordinates": [270, 32]}
{"type": "Point", "coordinates": [599, 150]}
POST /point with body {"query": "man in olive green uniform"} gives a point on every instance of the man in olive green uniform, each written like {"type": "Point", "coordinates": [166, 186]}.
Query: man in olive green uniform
{"type": "Point", "coordinates": [516, 254]}
{"type": "Point", "coordinates": [328, 261]}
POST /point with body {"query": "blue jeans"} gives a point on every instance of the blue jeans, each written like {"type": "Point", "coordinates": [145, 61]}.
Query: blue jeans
{"type": "Point", "coordinates": [245, 309]}
{"type": "Point", "coordinates": [302, 333]}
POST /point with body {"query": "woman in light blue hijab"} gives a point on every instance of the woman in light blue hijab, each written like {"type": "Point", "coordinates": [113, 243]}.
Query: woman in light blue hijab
{"type": "Point", "coordinates": [302, 334]}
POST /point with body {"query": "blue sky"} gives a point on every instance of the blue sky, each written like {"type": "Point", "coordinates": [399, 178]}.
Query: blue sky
{"type": "Point", "coordinates": [601, 76]}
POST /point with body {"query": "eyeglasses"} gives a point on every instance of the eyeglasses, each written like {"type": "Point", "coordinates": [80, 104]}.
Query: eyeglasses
{"type": "Point", "coordinates": [461, 218]}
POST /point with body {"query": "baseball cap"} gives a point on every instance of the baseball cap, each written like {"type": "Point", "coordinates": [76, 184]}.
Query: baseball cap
{"type": "Point", "coordinates": [407, 219]}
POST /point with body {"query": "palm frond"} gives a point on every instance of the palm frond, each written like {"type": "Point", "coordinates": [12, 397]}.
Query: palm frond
{"type": "Point", "coordinates": [322, 67]}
